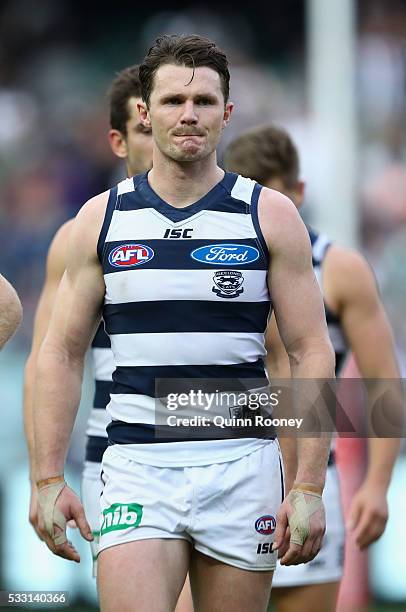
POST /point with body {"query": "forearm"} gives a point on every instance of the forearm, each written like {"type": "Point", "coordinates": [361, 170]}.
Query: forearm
{"type": "Point", "coordinates": [288, 446]}
{"type": "Point", "coordinates": [57, 397]}
{"type": "Point", "coordinates": [311, 368]}
{"type": "Point", "coordinates": [28, 401]}
{"type": "Point", "coordinates": [382, 453]}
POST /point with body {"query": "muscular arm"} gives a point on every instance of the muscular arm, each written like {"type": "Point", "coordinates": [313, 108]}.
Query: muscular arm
{"type": "Point", "coordinates": [352, 291]}
{"type": "Point", "coordinates": [56, 263]}
{"type": "Point", "coordinates": [300, 318]}
{"type": "Point", "coordinates": [60, 361]}
{"type": "Point", "coordinates": [10, 311]}
{"type": "Point", "coordinates": [278, 366]}
{"type": "Point", "coordinates": [299, 313]}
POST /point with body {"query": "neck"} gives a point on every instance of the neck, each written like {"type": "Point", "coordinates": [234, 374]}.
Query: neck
{"type": "Point", "coordinates": [181, 184]}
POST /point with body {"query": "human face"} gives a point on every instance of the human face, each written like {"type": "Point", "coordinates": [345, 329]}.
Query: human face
{"type": "Point", "coordinates": [135, 147]}
{"type": "Point", "coordinates": [187, 115]}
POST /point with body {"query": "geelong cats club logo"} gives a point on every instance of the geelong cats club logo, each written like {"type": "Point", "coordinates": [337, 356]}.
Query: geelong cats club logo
{"type": "Point", "coordinates": [228, 283]}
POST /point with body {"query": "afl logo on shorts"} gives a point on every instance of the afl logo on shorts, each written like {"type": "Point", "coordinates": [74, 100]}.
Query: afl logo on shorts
{"type": "Point", "coordinates": [266, 524]}
{"type": "Point", "coordinates": [130, 255]}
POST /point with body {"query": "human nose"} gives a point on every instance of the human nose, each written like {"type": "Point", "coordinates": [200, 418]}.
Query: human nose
{"type": "Point", "coordinates": [189, 116]}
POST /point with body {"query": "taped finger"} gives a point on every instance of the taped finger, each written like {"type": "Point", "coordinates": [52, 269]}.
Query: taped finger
{"type": "Point", "coordinates": [52, 516]}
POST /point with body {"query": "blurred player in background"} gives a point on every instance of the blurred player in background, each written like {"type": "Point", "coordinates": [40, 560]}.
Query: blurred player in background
{"type": "Point", "coordinates": [10, 311]}
{"type": "Point", "coordinates": [356, 322]}
{"type": "Point", "coordinates": [132, 142]}
{"type": "Point", "coordinates": [144, 253]}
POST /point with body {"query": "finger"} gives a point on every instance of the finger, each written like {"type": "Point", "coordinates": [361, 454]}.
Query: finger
{"type": "Point", "coordinates": [354, 515]}
{"type": "Point", "coordinates": [40, 529]}
{"type": "Point", "coordinates": [369, 533]}
{"type": "Point", "coordinates": [292, 555]}
{"type": "Point", "coordinates": [34, 523]}
{"type": "Point", "coordinates": [37, 531]}
{"type": "Point", "coordinates": [284, 546]}
{"type": "Point", "coordinates": [317, 544]}
{"type": "Point", "coordinates": [67, 551]}
{"type": "Point", "coordinates": [362, 528]}
{"type": "Point", "coordinates": [307, 548]}
{"type": "Point", "coordinates": [72, 524]}
{"type": "Point", "coordinates": [81, 522]}
{"type": "Point", "coordinates": [280, 532]}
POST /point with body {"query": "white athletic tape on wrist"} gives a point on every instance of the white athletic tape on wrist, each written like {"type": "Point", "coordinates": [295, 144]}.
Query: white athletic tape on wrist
{"type": "Point", "coordinates": [303, 509]}
{"type": "Point", "coordinates": [47, 497]}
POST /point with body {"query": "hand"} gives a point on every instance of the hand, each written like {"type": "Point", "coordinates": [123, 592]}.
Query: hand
{"type": "Point", "coordinates": [66, 507]}
{"type": "Point", "coordinates": [299, 514]}
{"type": "Point", "coordinates": [368, 514]}
{"type": "Point", "coordinates": [33, 513]}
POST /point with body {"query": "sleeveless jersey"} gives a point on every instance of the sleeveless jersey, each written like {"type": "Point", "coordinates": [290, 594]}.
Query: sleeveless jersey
{"type": "Point", "coordinates": [320, 245]}
{"type": "Point", "coordinates": [103, 368]}
{"type": "Point", "coordinates": [186, 298]}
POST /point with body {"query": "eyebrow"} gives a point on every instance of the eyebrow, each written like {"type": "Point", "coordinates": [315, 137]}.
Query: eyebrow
{"type": "Point", "coordinates": [182, 96]}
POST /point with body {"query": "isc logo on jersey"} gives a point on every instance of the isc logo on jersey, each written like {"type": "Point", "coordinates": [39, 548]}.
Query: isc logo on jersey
{"type": "Point", "coordinates": [226, 254]}
{"type": "Point", "coordinates": [130, 255]}
{"type": "Point", "coordinates": [266, 524]}
{"type": "Point", "coordinates": [121, 516]}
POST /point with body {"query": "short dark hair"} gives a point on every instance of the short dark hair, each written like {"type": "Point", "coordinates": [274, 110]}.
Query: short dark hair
{"type": "Point", "coordinates": [263, 154]}
{"type": "Point", "coordinates": [126, 85]}
{"type": "Point", "coordinates": [183, 50]}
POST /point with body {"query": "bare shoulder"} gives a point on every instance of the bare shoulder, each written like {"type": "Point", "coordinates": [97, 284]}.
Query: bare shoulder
{"type": "Point", "coordinates": [10, 309]}
{"type": "Point", "coordinates": [87, 222]}
{"type": "Point", "coordinates": [86, 227]}
{"type": "Point", "coordinates": [280, 221]}
{"type": "Point", "coordinates": [346, 275]}
{"type": "Point", "coordinates": [7, 292]}
{"type": "Point", "coordinates": [94, 209]}
{"type": "Point", "coordinates": [56, 258]}
{"type": "Point", "coordinates": [346, 265]}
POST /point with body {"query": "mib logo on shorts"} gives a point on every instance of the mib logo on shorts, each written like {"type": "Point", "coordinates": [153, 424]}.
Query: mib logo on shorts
{"type": "Point", "coordinates": [121, 516]}
{"type": "Point", "coordinates": [228, 283]}
{"type": "Point", "coordinates": [130, 255]}
{"type": "Point", "coordinates": [226, 254]}
{"type": "Point", "coordinates": [265, 525]}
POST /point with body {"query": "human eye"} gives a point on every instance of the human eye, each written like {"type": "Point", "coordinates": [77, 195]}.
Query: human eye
{"type": "Point", "coordinates": [204, 101]}
{"type": "Point", "coordinates": [172, 100]}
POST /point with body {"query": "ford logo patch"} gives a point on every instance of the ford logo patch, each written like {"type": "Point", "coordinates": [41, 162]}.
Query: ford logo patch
{"type": "Point", "coordinates": [226, 254]}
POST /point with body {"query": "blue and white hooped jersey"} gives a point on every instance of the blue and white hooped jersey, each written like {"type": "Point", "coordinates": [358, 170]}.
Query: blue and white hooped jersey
{"type": "Point", "coordinates": [103, 368]}
{"type": "Point", "coordinates": [186, 297]}
{"type": "Point", "coordinates": [320, 244]}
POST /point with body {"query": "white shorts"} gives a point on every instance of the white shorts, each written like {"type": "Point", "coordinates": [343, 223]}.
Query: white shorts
{"type": "Point", "coordinates": [91, 489]}
{"type": "Point", "coordinates": [328, 565]}
{"type": "Point", "coordinates": [225, 510]}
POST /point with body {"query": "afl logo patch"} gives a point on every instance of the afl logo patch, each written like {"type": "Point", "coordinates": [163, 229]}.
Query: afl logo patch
{"type": "Point", "coordinates": [266, 524]}
{"type": "Point", "coordinates": [228, 283]}
{"type": "Point", "coordinates": [130, 255]}
{"type": "Point", "coordinates": [226, 254]}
